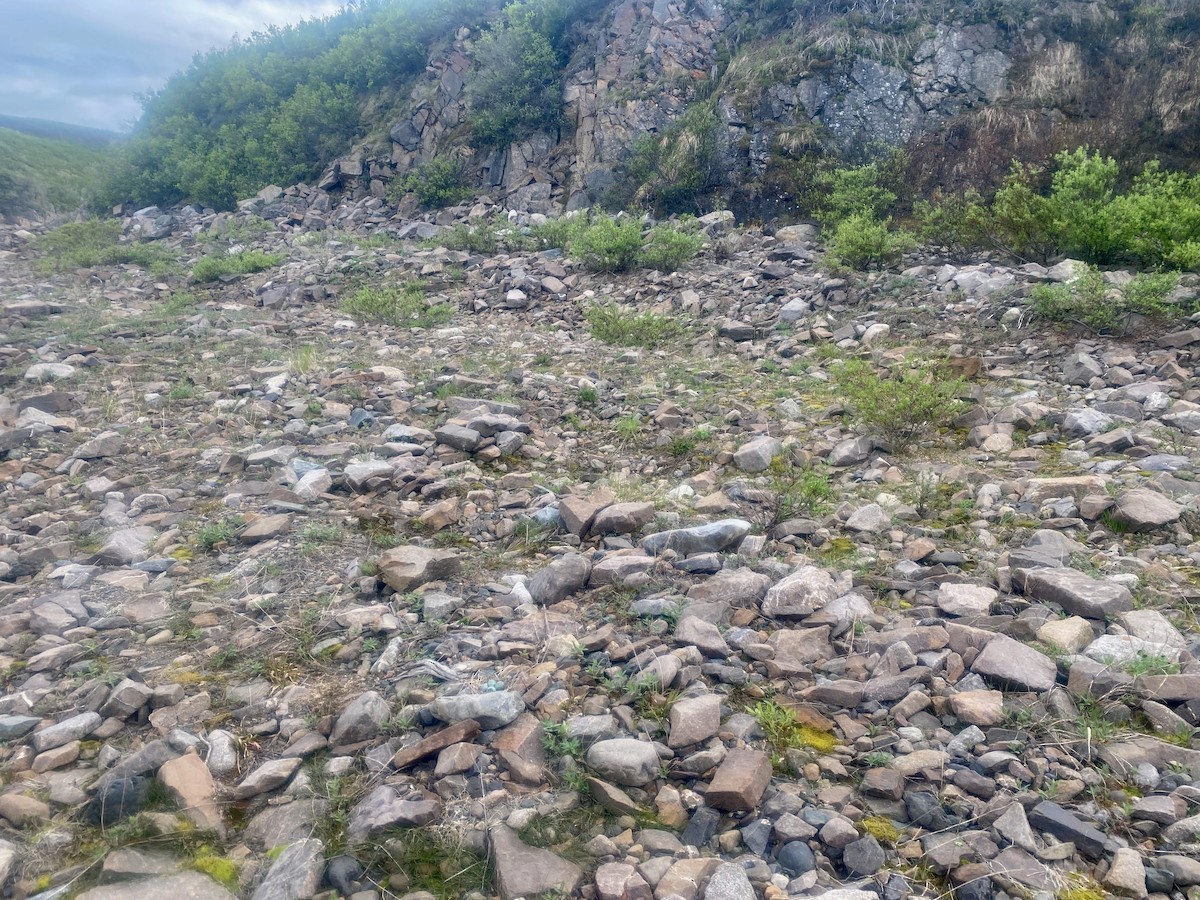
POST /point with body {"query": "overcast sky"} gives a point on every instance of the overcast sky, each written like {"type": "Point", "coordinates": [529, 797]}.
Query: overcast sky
{"type": "Point", "coordinates": [85, 61]}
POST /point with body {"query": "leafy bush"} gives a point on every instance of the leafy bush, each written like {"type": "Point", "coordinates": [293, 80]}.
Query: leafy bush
{"type": "Point", "coordinates": [670, 172]}
{"type": "Point", "coordinates": [245, 262]}
{"type": "Point", "coordinates": [97, 242]}
{"type": "Point", "coordinates": [607, 244]}
{"type": "Point", "coordinates": [667, 249]}
{"type": "Point", "coordinates": [1078, 211]}
{"type": "Point", "coordinates": [865, 191]}
{"type": "Point", "coordinates": [958, 221]}
{"type": "Point", "coordinates": [402, 306]}
{"type": "Point", "coordinates": [472, 238]}
{"type": "Point", "coordinates": [516, 88]}
{"type": "Point", "coordinates": [1087, 300]}
{"type": "Point", "coordinates": [863, 242]}
{"type": "Point", "coordinates": [614, 324]}
{"type": "Point", "coordinates": [916, 400]}
{"type": "Point", "coordinates": [437, 183]}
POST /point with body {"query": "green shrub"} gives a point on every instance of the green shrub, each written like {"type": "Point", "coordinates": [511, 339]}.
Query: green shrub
{"type": "Point", "coordinates": [672, 171]}
{"type": "Point", "coordinates": [607, 244]}
{"type": "Point", "coordinates": [515, 89]}
{"type": "Point", "coordinates": [862, 242]}
{"type": "Point", "coordinates": [614, 324]}
{"type": "Point", "coordinates": [244, 262]}
{"type": "Point", "coordinates": [555, 232]}
{"type": "Point", "coordinates": [472, 238]}
{"type": "Point", "coordinates": [1023, 219]}
{"type": "Point", "coordinates": [437, 183]}
{"type": "Point", "coordinates": [866, 190]}
{"type": "Point", "coordinates": [97, 242]}
{"type": "Point", "coordinates": [668, 248]}
{"type": "Point", "coordinates": [402, 306]}
{"type": "Point", "coordinates": [1081, 194]}
{"type": "Point", "coordinates": [917, 399]}
{"type": "Point", "coordinates": [1087, 300]}
{"type": "Point", "coordinates": [958, 221]}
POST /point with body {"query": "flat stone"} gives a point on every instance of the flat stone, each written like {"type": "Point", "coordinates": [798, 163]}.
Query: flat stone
{"type": "Point", "coordinates": [756, 455]}
{"type": "Point", "coordinates": [1142, 510]}
{"type": "Point", "coordinates": [184, 886]}
{"type": "Point", "coordinates": [559, 580]}
{"type": "Point", "coordinates": [267, 777]}
{"type": "Point", "coordinates": [1168, 688]}
{"type": "Point", "coordinates": [1012, 664]}
{"type": "Point", "coordinates": [190, 783]}
{"type": "Point", "coordinates": [1071, 634]}
{"type": "Point", "coordinates": [984, 708]}
{"type": "Point", "coordinates": [729, 882]}
{"type": "Point", "coordinates": [693, 720]}
{"type": "Point", "coordinates": [408, 567]}
{"type": "Point", "coordinates": [384, 808]}
{"type": "Point", "coordinates": [458, 437]}
{"type": "Point", "coordinates": [265, 528]}
{"type": "Point", "coordinates": [740, 781]}
{"type": "Point", "coordinates": [1127, 874]}
{"type": "Point", "coordinates": [870, 519]}
{"type": "Point", "coordinates": [704, 636]}
{"type": "Point", "coordinates": [524, 871]}
{"type": "Point", "coordinates": [1066, 826]}
{"type": "Point", "coordinates": [965, 599]}
{"type": "Point", "coordinates": [491, 710]}
{"type": "Point", "coordinates": [623, 518]}
{"type": "Point", "coordinates": [75, 728]}
{"type": "Point", "coordinates": [296, 873]}
{"type": "Point", "coordinates": [626, 761]}
{"type": "Point", "coordinates": [361, 720]}
{"type": "Point", "coordinates": [1076, 592]}
{"type": "Point", "coordinates": [797, 649]}
{"type": "Point", "coordinates": [803, 592]}
{"type": "Point", "coordinates": [715, 537]}
{"type": "Point", "coordinates": [578, 513]}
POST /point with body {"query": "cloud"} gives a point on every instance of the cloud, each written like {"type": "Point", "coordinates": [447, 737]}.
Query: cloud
{"type": "Point", "coordinates": [86, 61]}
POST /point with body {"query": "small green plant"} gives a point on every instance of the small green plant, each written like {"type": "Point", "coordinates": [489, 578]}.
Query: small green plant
{"type": "Point", "coordinates": [217, 534]}
{"type": "Point", "coordinates": [615, 324]}
{"type": "Point", "coordinates": [322, 533]}
{"type": "Point", "coordinates": [863, 242]}
{"type": "Point", "coordinates": [557, 739]}
{"type": "Point", "coordinates": [783, 732]}
{"type": "Point", "coordinates": [919, 399]}
{"type": "Point", "coordinates": [472, 238]}
{"type": "Point", "coordinates": [588, 396]}
{"type": "Point", "coordinates": [607, 244]}
{"type": "Point", "coordinates": [244, 262]}
{"type": "Point", "coordinates": [403, 306]}
{"type": "Point", "coordinates": [667, 249]}
{"type": "Point", "coordinates": [1151, 664]}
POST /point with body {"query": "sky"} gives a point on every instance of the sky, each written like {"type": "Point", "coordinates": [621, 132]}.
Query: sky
{"type": "Point", "coordinates": [86, 61]}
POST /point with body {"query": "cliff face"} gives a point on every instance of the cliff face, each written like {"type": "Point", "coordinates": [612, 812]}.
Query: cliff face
{"type": "Point", "coordinates": [964, 94]}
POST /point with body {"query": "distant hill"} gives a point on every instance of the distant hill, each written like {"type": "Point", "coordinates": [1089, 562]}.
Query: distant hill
{"type": "Point", "coordinates": [61, 131]}
{"type": "Point", "coordinates": [42, 175]}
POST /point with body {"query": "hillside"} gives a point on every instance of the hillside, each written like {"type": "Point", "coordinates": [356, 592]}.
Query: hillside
{"type": "Point", "coordinates": [474, 555]}
{"type": "Point", "coordinates": [42, 176]}
{"type": "Point", "coordinates": [553, 104]}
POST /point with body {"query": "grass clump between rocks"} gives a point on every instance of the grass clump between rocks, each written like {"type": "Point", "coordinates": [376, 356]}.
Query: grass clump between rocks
{"type": "Point", "coordinates": [918, 400]}
{"type": "Point", "coordinates": [402, 306]}
{"type": "Point", "coordinates": [244, 262]}
{"type": "Point", "coordinates": [97, 242]}
{"type": "Point", "coordinates": [622, 327]}
{"type": "Point", "coordinates": [784, 731]}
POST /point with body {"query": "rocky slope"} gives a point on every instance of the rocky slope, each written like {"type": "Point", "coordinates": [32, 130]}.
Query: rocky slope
{"type": "Point", "coordinates": [297, 605]}
{"type": "Point", "coordinates": [964, 89]}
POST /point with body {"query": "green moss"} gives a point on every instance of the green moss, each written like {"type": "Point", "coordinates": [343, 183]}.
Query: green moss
{"type": "Point", "coordinates": [821, 741]}
{"type": "Point", "coordinates": [881, 829]}
{"type": "Point", "coordinates": [1081, 889]}
{"type": "Point", "coordinates": [218, 868]}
